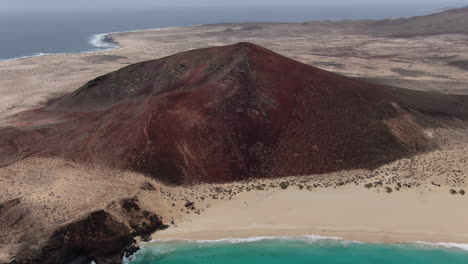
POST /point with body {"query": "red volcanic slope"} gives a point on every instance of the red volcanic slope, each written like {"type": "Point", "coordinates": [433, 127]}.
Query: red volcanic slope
{"type": "Point", "coordinates": [227, 113]}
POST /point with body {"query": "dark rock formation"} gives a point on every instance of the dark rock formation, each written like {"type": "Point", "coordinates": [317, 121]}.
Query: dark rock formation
{"type": "Point", "coordinates": [147, 187]}
{"type": "Point", "coordinates": [229, 113]}
{"type": "Point", "coordinates": [140, 220]}
{"type": "Point", "coordinates": [14, 215]}
{"type": "Point", "coordinates": [99, 236]}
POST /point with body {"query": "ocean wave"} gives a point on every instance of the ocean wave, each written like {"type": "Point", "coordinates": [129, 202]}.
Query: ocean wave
{"type": "Point", "coordinates": [103, 41]}
{"type": "Point", "coordinates": [29, 56]}
{"type": "Point", "coordinates": [308, 238]}
{"type": "Point", "coordinates": [166, 246]}
{"type": "Point", "coordinates": [443, 245]}
{"type": "Point", "coordinates": [150, 250]}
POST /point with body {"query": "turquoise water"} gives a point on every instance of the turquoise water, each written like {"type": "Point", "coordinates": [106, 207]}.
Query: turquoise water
{"type": "Point", "coordinates": [295, 251]}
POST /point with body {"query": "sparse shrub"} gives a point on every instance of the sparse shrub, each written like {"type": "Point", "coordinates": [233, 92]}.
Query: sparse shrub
{"type": "Point", "coordinates": [147, 186]}
{"type": "Point", "coordinates": [300, 186]}
{"type": "Point", "coordinates": [369, 185]}
{"type": "Point", "coordinates": [452, 191]}
{"type": "Point", "coordinates": [462, 192]}
{"type": "Point", "coordinates": [388, 190]}
{"type": "Point", "coordinates": [284, 185]}
{"type": "Point", "coordinates": [259, 188]}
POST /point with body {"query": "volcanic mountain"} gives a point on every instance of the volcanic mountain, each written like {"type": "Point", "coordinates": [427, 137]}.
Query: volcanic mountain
{"type": "Point", "coordinates": [230, 113]}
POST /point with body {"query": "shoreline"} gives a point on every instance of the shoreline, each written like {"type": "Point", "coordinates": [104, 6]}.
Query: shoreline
{"type": "Point", "coordinates": [101, 41]}
{"type": "Point", "coordinates": [351, 213]}
{"type": "Point", "coordinates": [331, 234]}
{"type": "Point", "coordinates": [97, 40]}
{"type": "Point", "coordinates": [309, 238]}
{"type": "Point", "coordinates": [305, 237]}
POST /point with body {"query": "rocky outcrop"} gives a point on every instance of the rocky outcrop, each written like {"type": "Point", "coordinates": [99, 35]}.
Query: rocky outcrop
{"type": "Point", "coordinates": [101, 237]}
{"type": "Point", "coordinates": [15, 218]}
{"type": "Point", "coordinates": [12, 214]}
{"type": "Point", "coordinates": [140, 220]}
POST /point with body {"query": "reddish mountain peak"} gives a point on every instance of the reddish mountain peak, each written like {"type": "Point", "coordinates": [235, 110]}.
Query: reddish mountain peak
{"type": "Point", "coordinates": [228, 113]}
{"type": "Point", "coordinates": [187, 70]}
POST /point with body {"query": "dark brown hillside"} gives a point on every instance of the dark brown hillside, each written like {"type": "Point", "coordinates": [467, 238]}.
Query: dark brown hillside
{"type": "Point", "coordinates": [229, 113]}
{"type": "Point", "coordinates": [454, 21]}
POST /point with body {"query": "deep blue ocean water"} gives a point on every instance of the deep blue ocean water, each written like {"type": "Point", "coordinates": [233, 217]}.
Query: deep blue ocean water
{"type": "Point", "coordinates": [29, 33]}
{"type": "Point", "coordinates": [304, 250]}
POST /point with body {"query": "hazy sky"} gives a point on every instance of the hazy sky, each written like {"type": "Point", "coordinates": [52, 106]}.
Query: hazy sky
{"type": "Point", "coordinates": [49, 4]}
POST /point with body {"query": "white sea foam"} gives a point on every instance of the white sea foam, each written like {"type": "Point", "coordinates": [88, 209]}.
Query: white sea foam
{"type": "Point", "coordinates": [164, 246]}
{"type": "Point", "coordinates": [101, 41]}
{"type": "Point", "coordinates": [443, 245]}
{"type": "Point", "coordinates": [25, 57]}
{"type": "Point", "coordinates": [308, 238]}
{"type": "Point", "coordinates": [153, 250]}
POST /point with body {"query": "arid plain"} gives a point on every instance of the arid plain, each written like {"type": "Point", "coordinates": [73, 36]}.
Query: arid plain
{"type": "Point", "coordinates": [421, 198]}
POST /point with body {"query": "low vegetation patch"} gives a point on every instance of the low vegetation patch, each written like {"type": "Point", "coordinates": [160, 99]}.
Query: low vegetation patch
{"type": "Point", "coordinates": [284, 185]}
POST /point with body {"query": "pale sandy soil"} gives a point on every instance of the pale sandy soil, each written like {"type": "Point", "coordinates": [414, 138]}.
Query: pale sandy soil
{"type": "Point", "coordinates": [351, 213]}
{"type": "Point", "coordinates": [56, 192]}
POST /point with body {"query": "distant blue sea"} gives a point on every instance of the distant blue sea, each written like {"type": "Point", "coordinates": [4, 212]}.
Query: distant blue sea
{"type": "Point", "coordinates": [304, 250]}
{"type": "Point", "coordinates": [32, 33]}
